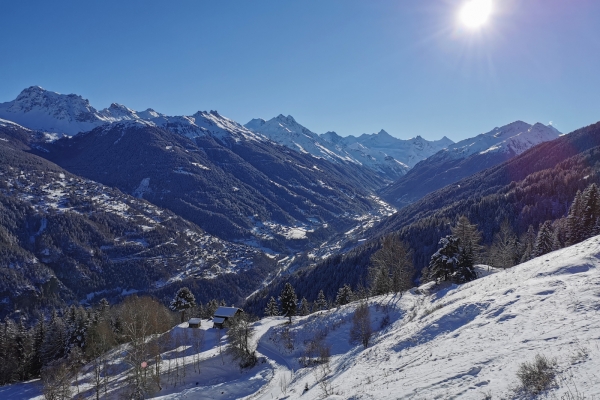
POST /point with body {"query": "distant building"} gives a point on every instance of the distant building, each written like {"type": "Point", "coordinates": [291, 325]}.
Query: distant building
{"type": "Point", "coordinates": [194, 323]}
{"type": "Point", "coordinates": [223, 314]}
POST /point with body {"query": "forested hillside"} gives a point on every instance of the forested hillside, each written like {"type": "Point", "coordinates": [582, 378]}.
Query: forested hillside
{"type": "Point", "coordinates": [537, 186]}
{"type": "Point", "coordinates": [64, 238]}
{"type": "Point", "coordinates": [235, 189]}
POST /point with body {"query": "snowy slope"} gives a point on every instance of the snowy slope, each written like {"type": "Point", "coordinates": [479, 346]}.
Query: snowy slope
{"type": "Point", "coordinates": [513, 138]}
{"type": "Point", "coordinates": [409, 151]}
{"type": "Point", "coordinates": [287, 132]}
{"type": "Point", "coordinates": [39, 109]}
{"type": "Point", "coordinates": [43, 110]}
{"type": "Point", "coordinates": [381, 152]}
{"type": "Point", "coordinates": [462, 342]}
{"type": "Point", "coordinates": [468, 341]}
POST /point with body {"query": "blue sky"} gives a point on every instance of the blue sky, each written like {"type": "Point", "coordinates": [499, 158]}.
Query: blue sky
{"type": "Point", "coordinates": [344, 65]}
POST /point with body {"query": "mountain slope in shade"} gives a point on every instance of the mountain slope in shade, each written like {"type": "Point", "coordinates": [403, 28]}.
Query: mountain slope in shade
{"type": "Point", "coordinates": [63, 238]}
{"type": "Point", "coordinates": [233, 188]}
{"type": "Point", "coordinates": [388, 156]}
{"type": "Point", "coordinates": [466, 158]}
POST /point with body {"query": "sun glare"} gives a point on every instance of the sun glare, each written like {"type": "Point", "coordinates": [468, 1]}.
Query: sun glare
{"type": "Point", "coordinates": [475, 13]}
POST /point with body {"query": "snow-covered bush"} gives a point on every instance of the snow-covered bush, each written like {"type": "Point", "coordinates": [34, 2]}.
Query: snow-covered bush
{"type": "Point", "coordinates": [538, 375]}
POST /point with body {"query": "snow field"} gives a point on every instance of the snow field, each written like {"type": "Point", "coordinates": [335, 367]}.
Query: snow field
{"type": "Point", "coordinates": [453, 342]}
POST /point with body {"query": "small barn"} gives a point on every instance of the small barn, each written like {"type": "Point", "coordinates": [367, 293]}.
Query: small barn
{"type": "Point", "coordinates": [223, 314]}
{"type": "Point", "coordinates": [194, 323]}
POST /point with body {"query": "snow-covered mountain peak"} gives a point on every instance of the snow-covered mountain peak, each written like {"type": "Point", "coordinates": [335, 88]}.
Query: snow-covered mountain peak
{"type": "Point", "coordinates": [289, 119]}
{"type": "Point", "coordinates": [380, 151]}
{"type": "Point", "coordinates": [384, 135]}
{"type": "Point", "coordinates": [40, 109]}
{"type": "Point", "coordinates": [37, 97]}
{"type": "Point", "coordinates": [221, 127]}
{"type": "Point", "coordinates": [127, 124]}
{"type": "Point", "coordinates": [255, 124]}
{"type": "Point", "coordinates": [149, 114]}
{"type": "Point", "coordinates": [332, 137]}
{"type": "Point", "coordinates": [515, 138]}
{"type": "Point", "coordinates": [30, 92]}
{"type": "Point", "coordinates": [118, 112]}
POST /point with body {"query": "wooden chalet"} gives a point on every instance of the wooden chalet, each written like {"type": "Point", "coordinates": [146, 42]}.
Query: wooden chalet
{"type": "Point", "coordinates": [194, 323]}
{"type": "Point", "coordinates": [223, 314]}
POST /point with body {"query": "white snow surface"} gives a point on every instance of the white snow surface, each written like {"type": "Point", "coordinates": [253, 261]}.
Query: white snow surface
{"type": "Point", "coordinates": [379, 151]}
{"type": "Point", "coordinates": [4, 122]}
{"type": "Point", "coordinates": [451, 342]}
{"type": "Point", "coordinates": [43, 110]}
{"type": "Point", "coordinates": [409, 152]}
{"type": "Point", "coordinates": [513, 138]}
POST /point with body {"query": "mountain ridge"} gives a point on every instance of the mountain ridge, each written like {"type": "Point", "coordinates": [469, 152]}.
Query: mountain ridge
{"type": "Point", "coordinates": [465, 158]}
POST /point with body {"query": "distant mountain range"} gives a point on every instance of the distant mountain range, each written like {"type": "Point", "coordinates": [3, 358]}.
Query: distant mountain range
{"type": "Point", "coordinates": [381, 152]}
{"type": "Point", "coordinates": [387, 156]}
{"type": "Point", "coordinates": [117, 199]}
{"type": "Point", "coordinates": [269, 183]}
{"type": "Point", "coordinates": [466, 158]}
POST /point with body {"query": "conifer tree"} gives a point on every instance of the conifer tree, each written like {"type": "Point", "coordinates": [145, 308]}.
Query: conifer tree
{"type": "Point", "coordinates": [183, 300]}
{"type": "Point", "coordinates": [559, 237]}
{"type": "Point", "coordinates": [289, 301]}
{"type": "Point", "coordinates": [596, 230]}
{"type": "Point", "coordinates": [344, 295]}
{"type": "Point", "coordinates": [465, 271]}
{"type": "Point", "coordinates": [304, 307]}
{"type": "Point", "coordinates": [321, 302]}
{"type": "Point", "coordinates": [24, 351]}
{"type": "Point", "coordinates": [544, 241]}
{"type": "Point", "coordinates": [574, 233]}
{"type": "Point", "coordinates": [380, 280]}
{"type": "Point", "coordinates": [272, 310]}
{"type": "Point", "coordinates": [591, 210]}
{"type": "Point", "coordinates": [240, 334]}
{"type": "Point", "coordinates": [39, 333]}
{"type": "Point", "coordinates": [210, 308]}
{"type": "Point", "coordinates": [9, 361]}
{"type": "Point", "coordinates": [55, 340]}
{"type": "Point", "coordinates": [451, 262]}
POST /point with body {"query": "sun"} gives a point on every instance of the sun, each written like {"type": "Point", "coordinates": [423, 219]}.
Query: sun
{"type": "Point", "coordinates": [475, 13]}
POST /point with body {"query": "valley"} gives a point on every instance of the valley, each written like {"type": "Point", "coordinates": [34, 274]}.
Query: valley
{"type": "Point", "coordinates": [142, 204]}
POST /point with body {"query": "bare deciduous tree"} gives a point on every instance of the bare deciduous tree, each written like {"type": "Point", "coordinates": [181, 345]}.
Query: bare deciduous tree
{"type": "Point", "coordinates": [504, 250]}
{"type": "Point", "coordinates": [361, 331]}
{"type": "Point", "coordinates": [56, 380]}
{"type": "Point", "coordinates": [391, 267]}
{"type": "Point", "coordinates": [142, 317]}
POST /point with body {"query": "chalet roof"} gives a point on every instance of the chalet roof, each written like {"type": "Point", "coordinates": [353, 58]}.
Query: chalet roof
{"type": "Point", "coordinates": [218, 320]}
{"type": "Point", "coordinates": [195, 320]}
{"type": "Point", "coordinates": [226, 312]}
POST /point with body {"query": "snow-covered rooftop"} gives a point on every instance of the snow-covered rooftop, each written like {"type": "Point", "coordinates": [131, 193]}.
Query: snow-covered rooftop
{"type": "Point", "coordinates": [226, 312]}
